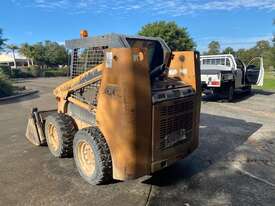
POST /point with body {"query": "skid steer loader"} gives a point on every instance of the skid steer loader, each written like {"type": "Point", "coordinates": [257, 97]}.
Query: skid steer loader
{"type": "Point", "coordinates": [120, 115]}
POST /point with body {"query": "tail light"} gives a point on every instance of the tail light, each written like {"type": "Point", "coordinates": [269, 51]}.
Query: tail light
{"type": "Point", "coordinates": [215, 83]}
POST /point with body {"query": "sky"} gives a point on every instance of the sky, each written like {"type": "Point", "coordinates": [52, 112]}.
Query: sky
{"type": "Point", "coordinates": [235, 23]}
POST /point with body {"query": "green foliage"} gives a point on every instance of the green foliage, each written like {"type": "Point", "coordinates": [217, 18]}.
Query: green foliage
{"type": "Point", "coordinates": [47, 54]}
{"type": "Point", "coordinates": [6, 88]}
{"type": "Point", "coordinates": [245, 55]}
{"type": "Point", "coordinates": [273, 40]}
{"type": "Point", "coordinates": [214, 47]}
{"type": "Point", "coordinates": [27, 50]}
{"type": "Point", "coordinates": [12, 47]}
{"type": "Point", "coordinates": [262, 48]}
{"type": "Point", "coordinates": [53, 72]}
{"type": "Point", "coordinates": [6, 70]}
{"type": "Point", "coordinates": [262, 45]}
{"type": "Point", "coordinates": [19, 73]}
{"type": "Point", "coordinates": [176, 37]}
{"type": "Point", "coordinates": [269, 82]}
{"type": "Point", "coordinates": [55, 54]}
{"type": "Point", "coordinates": [229, 50]}
{"type": "Point", "coordinates": [2, 40]}
{"type": "Point", "coordinates": [35, 71]}
{"type": "Point", "coordinates": [39, 54]}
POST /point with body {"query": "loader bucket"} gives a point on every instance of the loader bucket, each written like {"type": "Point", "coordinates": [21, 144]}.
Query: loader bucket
{"type": "Point", "coordinates": [32, 132]}
{"type": "Point", "coordinates": [35, 128]}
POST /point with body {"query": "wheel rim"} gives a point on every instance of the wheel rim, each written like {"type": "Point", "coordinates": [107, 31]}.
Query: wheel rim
{"type": "Point", "coordinates": [86, 157]}
{"type": "Point", "coordinates": [53, 137]}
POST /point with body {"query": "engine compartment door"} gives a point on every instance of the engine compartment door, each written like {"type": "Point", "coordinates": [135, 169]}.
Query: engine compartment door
{"type": "Point", "coordinates": [255, 72]}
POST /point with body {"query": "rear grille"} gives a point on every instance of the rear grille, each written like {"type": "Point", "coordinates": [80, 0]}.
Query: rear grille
{"type": "Point", "coordinates": [177, 108]}
{"type": "Point", "coordinates": [175, 119]}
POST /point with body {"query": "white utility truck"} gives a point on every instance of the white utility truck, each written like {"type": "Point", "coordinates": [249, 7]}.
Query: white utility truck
{"type": "Point", "coordinates": [223, 74]}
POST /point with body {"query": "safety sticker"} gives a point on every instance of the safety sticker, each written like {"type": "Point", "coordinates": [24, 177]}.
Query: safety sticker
{"type": "Point", "coordinates": [109, 60]}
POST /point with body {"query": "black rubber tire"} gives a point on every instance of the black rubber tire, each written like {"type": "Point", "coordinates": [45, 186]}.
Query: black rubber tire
{"type": "Point", "coordinates": [248, 89]}
{"type": "Point", "coordinates": [66, 129]}
{"type": "Point", "coordinates": [103, 162]}
{"type": "Point", "coordinates": [230, 94]}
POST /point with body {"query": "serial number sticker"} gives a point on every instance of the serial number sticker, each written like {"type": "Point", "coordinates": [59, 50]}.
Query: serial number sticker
{"type": "Point", "coordinates": [109, 60]}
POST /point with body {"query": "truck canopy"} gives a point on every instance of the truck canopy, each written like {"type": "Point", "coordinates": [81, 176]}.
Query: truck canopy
{"type": "Point", "coordinates": [217, 62]}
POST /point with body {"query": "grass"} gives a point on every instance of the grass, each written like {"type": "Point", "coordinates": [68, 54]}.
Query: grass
{"type": "Point", "coordinates": [269, 81]}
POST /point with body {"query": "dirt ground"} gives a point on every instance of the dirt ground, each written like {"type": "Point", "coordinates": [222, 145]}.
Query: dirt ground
{"type": "Point", "coordinates": [234, 164]}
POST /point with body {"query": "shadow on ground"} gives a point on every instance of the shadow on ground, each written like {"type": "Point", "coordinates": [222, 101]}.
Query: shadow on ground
{"type": "Point", "coordinates": [238, 96]}
{"type": "Point", "coordinates": [205, 177]}
{"type": "Point", "coordinates": [214, 146]}
{"type": "Point", "coordinates": [263, 92]}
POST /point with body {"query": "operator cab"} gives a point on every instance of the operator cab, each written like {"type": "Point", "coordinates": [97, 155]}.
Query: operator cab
{"type": "Point", "coordinates": [89, 51]}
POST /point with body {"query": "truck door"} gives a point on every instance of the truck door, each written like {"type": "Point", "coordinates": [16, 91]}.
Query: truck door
{"type": "Point", "coordinates": [239, 73]}
{"type": "Point", "coordinates": [255, 72]}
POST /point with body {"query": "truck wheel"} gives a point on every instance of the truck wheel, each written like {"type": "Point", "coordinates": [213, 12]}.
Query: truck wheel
{"type": "Point", "coordinates": [248, 89]}
{"type": "Point", "coordinates": [230, 94]}
{"type": "Point", "coordinates": [59, 131]}
{"type": "Point", "coordinates": [92, 156]}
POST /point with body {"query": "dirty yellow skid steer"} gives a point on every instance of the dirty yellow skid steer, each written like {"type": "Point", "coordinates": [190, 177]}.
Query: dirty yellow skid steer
{"type": "Point", "coordinates": [121, 115]}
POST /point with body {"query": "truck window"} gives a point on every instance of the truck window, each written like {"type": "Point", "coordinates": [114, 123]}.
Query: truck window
{"type": "Point", "coordinates": [217, 61]}
{"type": "Point", "coordinates": [239, 64]}
{"type": "Point", "coordinates": [227, 62]}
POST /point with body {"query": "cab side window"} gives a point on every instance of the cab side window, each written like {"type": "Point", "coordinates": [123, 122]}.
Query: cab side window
{"type": "Point", "coordinates": [239, 64]}
{"type": "Point", "coordinates": [227, 62]}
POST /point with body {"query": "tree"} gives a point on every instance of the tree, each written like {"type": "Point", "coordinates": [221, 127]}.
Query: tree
{"type": "Point", "coordinates": [229, 50]}
{"type": "Point", "coordinates": [28, 51]}
{"type": "Point", "coordinates": [269, 59]}
{"type": "Point", "coordinates": [2, 40]}
{"type": "Point", "coordinates": [47, 54]}
{"type": "Point", "coordinates": [13, 48]}
{"type": "Point", "coordinates": [273, 34]}
{"type": "Point", "coordinates": [55, 54]}
{"type": "Point", "coordinates": [262, 45]}
{"type": "Point", "coordinates": [246, 54]}
{"type": "Point", "coordinates": [175, 36]}
{"type": "Point", "coordinates": [262, 49]}
{"type": "Point", "coordinates": [39, 54]}
{"type": "Point", "coordinates": [214, 47]}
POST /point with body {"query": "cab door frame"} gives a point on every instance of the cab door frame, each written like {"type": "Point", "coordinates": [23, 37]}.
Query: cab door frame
{"type": "Point", "coordinates": [239, 73]}
{"type": "Point", "coordinates": [260, 80]}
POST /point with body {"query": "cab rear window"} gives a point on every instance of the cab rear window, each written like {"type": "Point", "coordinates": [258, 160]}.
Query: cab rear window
{"type": "Point", "coordinates": [216, 61]}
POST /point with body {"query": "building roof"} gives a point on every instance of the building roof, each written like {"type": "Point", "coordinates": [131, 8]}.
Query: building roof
{"type": "Point", "coordinates": [7, 57]}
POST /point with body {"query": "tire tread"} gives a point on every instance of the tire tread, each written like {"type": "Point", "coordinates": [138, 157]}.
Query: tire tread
{"type": "Point", "coordinates": [102, 155]}
{"type": "Point", "coordinates": [67, 128]}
